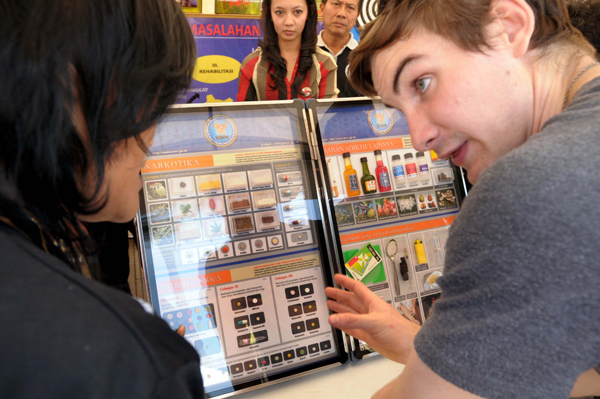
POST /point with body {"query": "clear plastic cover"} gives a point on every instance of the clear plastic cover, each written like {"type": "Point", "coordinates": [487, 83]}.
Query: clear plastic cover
{"type": "Point", "coordinates": [393, 239]}
{"type": "Point", "coordinates": [230, 244]}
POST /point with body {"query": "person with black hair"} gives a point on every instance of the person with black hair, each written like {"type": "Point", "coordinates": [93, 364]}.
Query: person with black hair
{"type": "Point", "coordinates": [288, 64]}
{"type": "Point", "coordinates": [585, 16]}
{"type": "Point", "coordinates": [83, 86]}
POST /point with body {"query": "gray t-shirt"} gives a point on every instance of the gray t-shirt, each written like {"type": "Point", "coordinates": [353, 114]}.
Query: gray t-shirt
{"type": "Point", "coordinates": [520, 312]}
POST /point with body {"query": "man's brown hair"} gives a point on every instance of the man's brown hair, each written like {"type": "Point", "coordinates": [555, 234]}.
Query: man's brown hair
{"type": "Point", "coordinates": [461, 21]}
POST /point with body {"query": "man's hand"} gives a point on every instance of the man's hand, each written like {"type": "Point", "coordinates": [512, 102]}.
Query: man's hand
{"type": "Point", "coordinates": [365, 316]}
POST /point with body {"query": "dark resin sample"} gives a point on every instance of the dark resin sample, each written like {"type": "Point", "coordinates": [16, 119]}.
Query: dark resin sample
{"type": "Point", "coordinates": [243, 223]}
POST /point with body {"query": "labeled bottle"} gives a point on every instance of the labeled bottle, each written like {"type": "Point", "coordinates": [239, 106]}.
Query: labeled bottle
{"type": "Point", "coordinates": [411, 169]}
{"type": "Point", "coordinates": [423, 167]}
{"type": "Point", "coordinates": [383, 176]}
{"type": "Point", "coordinates": [398, 171]}
{"type": "Point", "coordinates": [350, 177]}
{"type": "Point", "coordinates": [368, 182]}
{"type": "Point", "coordinates": [334, 189]}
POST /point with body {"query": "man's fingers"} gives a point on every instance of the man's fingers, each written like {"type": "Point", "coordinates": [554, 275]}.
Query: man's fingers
{"type": "Point", "coordinates": [340, 307]}
{"type": "Point", "coordinates": [346, 297]}
{"type": "Point", "coordinates": [361, 290]}
{"type": "Point", "coordinates": [352, 321]}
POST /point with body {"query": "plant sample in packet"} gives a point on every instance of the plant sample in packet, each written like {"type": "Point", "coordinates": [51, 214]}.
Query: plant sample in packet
{"type": "Point", "coordinates": [159, 213]}
{"type": "Point", "coordinates": [156, 190]}
{"type": "Point", "coordinates": [163, 235]}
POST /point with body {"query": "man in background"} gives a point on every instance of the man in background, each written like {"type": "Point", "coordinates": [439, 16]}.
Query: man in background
{"type": "Point", "coordinates": [339, 17]}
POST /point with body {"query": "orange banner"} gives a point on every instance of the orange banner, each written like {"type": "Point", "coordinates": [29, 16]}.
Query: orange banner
{"type": "Point", "coordinates": [195, 282]}
{"type": "Point", "coordinates": [170, 164]}
{"type": "Point", "coordinates": [395, 230]}
{"type": "Point", "coordinates": [363, 146]}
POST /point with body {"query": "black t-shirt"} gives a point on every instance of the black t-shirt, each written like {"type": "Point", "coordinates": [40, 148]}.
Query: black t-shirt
{"type": "Point", "coordinates": [66, 336]}
{"type": "Point", "coordinates": [346, 89]}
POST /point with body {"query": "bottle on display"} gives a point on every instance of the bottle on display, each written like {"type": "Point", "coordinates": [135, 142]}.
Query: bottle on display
{"type": "Point", "coordinates": [398, 171]}
{"type": "Point", "coordinates": [332, 180]}
{"type": "Point", "coordinates": [368, 182]}
{"type": "Point", "coordinates": [423, 167]}
{"type": "Point", "coordinates": [350, 177]}
{"type": "Point", "coordinates": [411, 169]}
{"type": "Point", "coordinates": [383, 176]}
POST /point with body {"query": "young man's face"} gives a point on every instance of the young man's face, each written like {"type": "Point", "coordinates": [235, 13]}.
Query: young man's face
{"type": "Point", "coordinates": [339, 16]}
{"type": "Point", "coordinates": [472, 107]}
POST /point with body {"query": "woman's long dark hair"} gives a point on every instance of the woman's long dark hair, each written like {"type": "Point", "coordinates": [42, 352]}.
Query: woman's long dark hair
{"type": "Point", "coordinates": [272, 53]}
{"type": "Point", "coordinates": [120, 62]}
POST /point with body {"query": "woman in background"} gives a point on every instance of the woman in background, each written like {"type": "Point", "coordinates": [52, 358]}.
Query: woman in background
{"type": "Point", "coordinates": [288, 64]}
{"type": "Point", "coordinates": [83, 86]}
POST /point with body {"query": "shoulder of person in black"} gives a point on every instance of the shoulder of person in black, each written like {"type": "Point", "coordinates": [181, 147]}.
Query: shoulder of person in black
{"type": "Point", "coordinates": [64, 335]}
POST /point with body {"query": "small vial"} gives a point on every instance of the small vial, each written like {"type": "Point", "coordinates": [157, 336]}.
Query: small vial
{"type": "Point", "coordinates": [423, 167]}
{"type": "Point", "coordinates": [398, 171]}
{"type": "Point", "coordinates": [412, 175]}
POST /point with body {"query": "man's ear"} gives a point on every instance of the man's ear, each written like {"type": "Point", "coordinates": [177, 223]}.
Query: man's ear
{"type": "Point", "coordinates": [513, 23]}
{"type": "Point", "coordinates": [322, 6]}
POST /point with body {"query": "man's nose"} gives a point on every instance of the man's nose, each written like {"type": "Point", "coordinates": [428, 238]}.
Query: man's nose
{"type": "Point", "coordinates": [422, 131]}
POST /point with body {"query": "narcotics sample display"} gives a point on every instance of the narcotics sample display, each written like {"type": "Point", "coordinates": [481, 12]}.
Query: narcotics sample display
{"type": "Point", "coordinates": [392, 205]}
{"type": "Point", "coordinates": [233, 242]}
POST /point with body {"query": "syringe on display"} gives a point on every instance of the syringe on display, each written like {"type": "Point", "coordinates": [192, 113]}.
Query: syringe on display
{"type": "Point", "coordinates": [288, 208]}
{"type": "Point", "coordinates": [251, 341]}
{"type": "Point", "coordinates": [287, 178]}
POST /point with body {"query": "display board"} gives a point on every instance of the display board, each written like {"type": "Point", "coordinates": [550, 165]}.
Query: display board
{"type": "Point", "coordinates": [233, 242]}
{"type": "Point", "coordinates": [391, 206]}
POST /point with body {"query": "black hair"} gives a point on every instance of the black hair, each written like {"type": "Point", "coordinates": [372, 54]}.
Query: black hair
{"type": "Point", "coordinates": [360, 3]}
{"type": "Point", "coordinates": [119, 64]}
{"type": "Point", "coordinates": [272, 53]}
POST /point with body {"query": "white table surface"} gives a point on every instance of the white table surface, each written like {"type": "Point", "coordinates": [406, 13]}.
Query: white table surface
{"type": "Point", "coordinates": [356, 380]}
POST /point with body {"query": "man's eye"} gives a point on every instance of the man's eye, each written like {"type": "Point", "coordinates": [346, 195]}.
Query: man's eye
{"type": "Point", "coordinates": [422, 84]}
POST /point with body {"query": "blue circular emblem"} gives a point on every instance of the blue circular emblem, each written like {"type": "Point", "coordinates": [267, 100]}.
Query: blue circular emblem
{"type": "Point", "coordinates": [220, 130]}
{"type": "Point", "coordinates": [381, 120]}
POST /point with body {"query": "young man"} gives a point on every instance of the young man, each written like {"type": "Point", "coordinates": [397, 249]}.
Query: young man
{"type": "Point", "coordinates": [509, 90]}
{"type": "Point", "coordinates": [339, 17]}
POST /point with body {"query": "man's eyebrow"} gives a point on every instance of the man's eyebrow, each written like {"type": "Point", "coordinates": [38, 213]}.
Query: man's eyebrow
{"type": "Point", "coordinates": [405, 62]}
